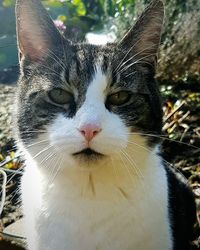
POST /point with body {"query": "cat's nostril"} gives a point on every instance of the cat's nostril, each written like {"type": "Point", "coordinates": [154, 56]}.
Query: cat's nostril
{"type": "Point", "coordinates": [89, 131]}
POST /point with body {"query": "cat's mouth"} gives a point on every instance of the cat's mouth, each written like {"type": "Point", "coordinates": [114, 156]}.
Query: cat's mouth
{"type": "Point", "coordinates": [89, 154]}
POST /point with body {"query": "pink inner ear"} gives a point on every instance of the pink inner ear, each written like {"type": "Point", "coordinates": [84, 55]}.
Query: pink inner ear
{"type": "Point", "coordinates": [32, 42]}
{"type": "Point", "coordinates": [36, 31]}
{"type": "Point", "coordinates": [30, 50]}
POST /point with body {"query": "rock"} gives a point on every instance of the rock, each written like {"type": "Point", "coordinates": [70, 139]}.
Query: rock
{"type": "Point", "coordinates": [14, 234]}
{"type": "Point", "coordinates": [6, 111]}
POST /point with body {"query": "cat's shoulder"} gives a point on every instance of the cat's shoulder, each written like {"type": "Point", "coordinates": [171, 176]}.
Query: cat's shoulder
{"type": "Point", "coordinates": [182, 208]}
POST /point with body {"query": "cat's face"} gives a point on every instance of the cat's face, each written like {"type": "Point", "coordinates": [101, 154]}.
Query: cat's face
{"type": "Point", "coordinates": [84, 102]}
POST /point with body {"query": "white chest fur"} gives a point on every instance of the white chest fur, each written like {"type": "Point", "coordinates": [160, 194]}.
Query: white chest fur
{"type": "Point", "coordinates": [107, 208]}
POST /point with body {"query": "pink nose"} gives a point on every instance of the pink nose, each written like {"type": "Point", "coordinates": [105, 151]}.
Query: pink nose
{"type": "Point", "coordinates": [89, 131]}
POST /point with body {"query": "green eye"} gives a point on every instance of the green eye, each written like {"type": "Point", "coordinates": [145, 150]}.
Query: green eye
{"type": "Point", "coordinates": [119, 98]}
{"type": "Point", "coordinates": [60, 96]}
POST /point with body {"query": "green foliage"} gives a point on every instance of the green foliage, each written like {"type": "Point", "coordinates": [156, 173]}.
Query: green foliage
{"type": "Point", "coordinates": [79, 16]}
{"type": "Point", "coordinates": [87, 15]}
{"type": "Point", "coordinates": [8, 3]}
{"type": "Point", "coordinates": [76, 17]}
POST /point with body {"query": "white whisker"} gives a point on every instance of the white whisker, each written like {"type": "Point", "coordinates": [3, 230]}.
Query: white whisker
{"type": "Point", "coordinates": [127, 168]}
{"type": "Point", "coordinates": [54, 57]}
{"type": "Point", "coordinates": [54, 170]}
{"type": "Point", "coordinates": [168, 163]}
{"type": "Point", "coordinates": [164, 138]}
{"type": "Point", "coordinates": [135, 62]}
{"type": "Point", "coordinates": [138, 172]}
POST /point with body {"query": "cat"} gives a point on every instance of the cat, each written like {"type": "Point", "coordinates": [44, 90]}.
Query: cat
{"type": "Point", "coordinates": [93, 177]}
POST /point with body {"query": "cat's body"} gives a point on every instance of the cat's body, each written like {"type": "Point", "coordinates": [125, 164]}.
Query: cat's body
{"type": "Point", "coordinates": [117, 213]}
{"type": "Point", "coordinates": [93, 178]}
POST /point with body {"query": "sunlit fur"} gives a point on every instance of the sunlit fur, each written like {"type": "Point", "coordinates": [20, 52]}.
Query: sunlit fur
{"type": "Point", "coordinates": [123, 197]}
{"type": "Point", "coordinates": [95, 205]}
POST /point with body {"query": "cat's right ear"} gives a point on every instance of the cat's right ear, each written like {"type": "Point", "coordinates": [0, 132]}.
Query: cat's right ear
{"type": "Point", "coordinates": [36, 32]}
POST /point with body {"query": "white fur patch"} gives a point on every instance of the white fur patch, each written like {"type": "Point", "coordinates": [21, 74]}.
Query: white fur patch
{"type": "Point", "coordinates": [120, 203]}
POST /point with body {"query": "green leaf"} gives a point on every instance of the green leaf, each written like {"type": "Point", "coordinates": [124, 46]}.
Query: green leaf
{"type": "Point", "coordinates": [52, 3]}
{"type": "Point", "coordinates": [81, 11]}
{"type": "Point", "coordinates": [62, 18]}
{"type": "Point", "coordinates": [8, 3]}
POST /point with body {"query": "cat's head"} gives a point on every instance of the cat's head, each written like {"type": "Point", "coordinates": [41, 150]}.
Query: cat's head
{"type": "Point", "coordinates": [85, 102]}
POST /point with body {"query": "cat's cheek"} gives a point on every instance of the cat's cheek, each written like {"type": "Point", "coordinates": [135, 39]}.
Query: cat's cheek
{"type": "Point", "coordinates": [64, 136]}
{"type": "Point", "coordinates": [113, 137]}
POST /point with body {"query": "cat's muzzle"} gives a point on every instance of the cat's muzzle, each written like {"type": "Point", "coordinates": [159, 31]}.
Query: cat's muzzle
{"type": "Point", "coordinates": [89, 154]}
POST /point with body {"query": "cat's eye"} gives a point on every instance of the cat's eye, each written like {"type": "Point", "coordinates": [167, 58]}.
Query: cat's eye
{"type": "Point", "coordinates": [119, 98]}
{"type": "Point", "coordinates": [60, 96]}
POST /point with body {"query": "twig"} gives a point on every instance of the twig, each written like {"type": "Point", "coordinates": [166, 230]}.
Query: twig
{"type": "Point", "coordinates": [174, 111]}
{"type": "Point", "coordinates": [173, 122]}
{"type": "Point", "coordinates": [6, 162]}
{"type": "Point", "coordinates": [17, 171]}
{"type": "Point", "coordinates": [183, 117]}
{"type": "Point", "coordinates": [184, 133]}
{"type": "Point", "coordinates": [197, 131]}
{"type": "Point", "coordinates": [168, 125]}
{"type": "Point", "coordinates": [3, 197]}
{"type": "Point", "coordinates": [173, 127]}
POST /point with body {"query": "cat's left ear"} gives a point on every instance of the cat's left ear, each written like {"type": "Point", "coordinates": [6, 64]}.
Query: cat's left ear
{"type": "Point", "coordinates": [142, 41]}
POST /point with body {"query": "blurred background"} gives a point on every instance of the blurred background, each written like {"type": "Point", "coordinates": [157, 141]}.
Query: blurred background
{"type": "Point", "coordinates": [179, 55]}
{"type": "Point", "coordinates": [97, 21]}
{"type": "Point", "coordinates": [82, 18]}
